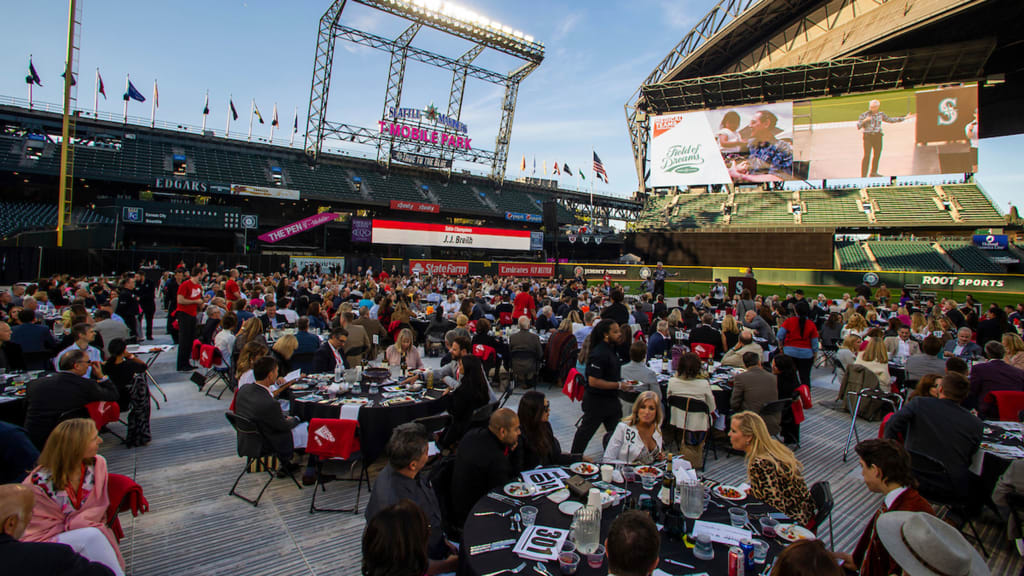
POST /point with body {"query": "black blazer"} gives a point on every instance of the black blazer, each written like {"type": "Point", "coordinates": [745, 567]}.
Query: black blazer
{"type": "Point", "coordinates": [11, 357]}
{"type": "Point", "coordinates": [53, 395]}
{"type": "Point", "coordinates": [265, 319]}
{"type": "Point", "coordinates": [481, 464]}
{"type": "Point", "coordinates": [323, 359]}
{"type": "Point", "coordinates": [255, 403]}
{"type": "Point", "coordinates": [46, 558]}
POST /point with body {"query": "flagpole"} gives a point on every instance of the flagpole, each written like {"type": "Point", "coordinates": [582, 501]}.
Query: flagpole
{"type": "Point", "coordinates": [252, 108]}
{"type": "Point", "coordinates": [96, 96]}
{"type": "Point", "coordinates": [206, 104]}
{"type": "Point", "coordinates": [227, 127]}
{"type": "Point", "coordinates": [126, 81]}
{"type": "Point", "coordinates": [30, 82]}
{"type": "Point", "coordinates": [152, 113]}
{"type": "Point", "coordinates": [273, 120]}
{"type": "Point", "coordinates": [295, 123]}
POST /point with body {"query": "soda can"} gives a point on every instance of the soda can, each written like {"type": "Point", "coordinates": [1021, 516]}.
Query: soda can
{"type": "Point", "coordinates": [737, 564]}
{"type": "Point", "coordinates": [747, 546]}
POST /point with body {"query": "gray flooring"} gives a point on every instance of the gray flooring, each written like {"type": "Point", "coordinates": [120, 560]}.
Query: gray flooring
{"type": "Point", "coordinates": [195, 527]}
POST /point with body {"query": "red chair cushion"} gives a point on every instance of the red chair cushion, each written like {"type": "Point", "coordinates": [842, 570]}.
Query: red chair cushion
{"type": "Point", "coordinates": [103, 413]}
{"type": "Point", "coordinates": [197, 347]}
{"type": "Point", "coordinates": [483, 352]}
{"type": "Point", "coordinates": [1009, 403]}
{"type": "Point", "coordinates": [332, 438]}
{"type": "Point", "coordinates": [209, 356]}
{"type": "Point", "coordinates": [705, 351]}
{"type": "Point", "coordinates": [505, 318]}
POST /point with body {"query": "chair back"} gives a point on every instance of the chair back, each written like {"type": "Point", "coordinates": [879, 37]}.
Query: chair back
{"type": "Point", "coordinates": [821, 493]}
{"type": "Point", "coordinates": [209, 356]}
{"type": "Point", "coordinates": [250, 440]}
{"type": "Point", "coordinates": [40, 360]}
{"type": "Point", "coordinates": [704, 351]}
{"type": "Point", "coordinates": [686, 405]}
{"type": "Point", "coordinates": [776, 407]}
{"type": "Point", "coordinates": [505, 318]}
{"type": "Point", "coordinates": [103, 413]}
{"type": "Point", "coordinates": [332, 438]}
{"type": "Point", "coordinates": [934, 480]}
{"type": "Point", "coordinates": [1008, 402]}
{"type": "Point", "coordinates": [484, 352]}
{"type": "Point", "coordinates": [355, 351]}
{"type": "Point", "coordinates": [628, 397]}
{"type": "Point", "coordinates": [482, 415]}
{"type": "Point", "coordinates": [197, 348]}
{"type": "Point", "coordinates": [303, 361]}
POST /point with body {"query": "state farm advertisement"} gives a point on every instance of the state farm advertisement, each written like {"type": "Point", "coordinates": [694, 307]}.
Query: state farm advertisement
{"type": "Point", "coordinates": [415, 206]}
{"type": "Point", "coordinates": [449, 235]}
{"type": "Point", "coordinates": [438, 267]}
{"type": "Point", "coordinates": [511, 269]}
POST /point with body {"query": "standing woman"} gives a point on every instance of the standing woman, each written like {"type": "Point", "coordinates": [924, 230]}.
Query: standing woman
{"type": "Point", "coordinates": [601, 394]}
{"type": "Point", "coordinates": [798, 339]}
{"type": "Point", "coordinates": [128, 306]}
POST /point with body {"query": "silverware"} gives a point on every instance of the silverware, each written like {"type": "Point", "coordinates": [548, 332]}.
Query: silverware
{"type": "Point", "coordinates": [541, 569]}
{"type": "Point", "coordinates": [678, 563]}
{"type": "Point", "coordinates": [491, 546]}
{"type": "Point", "coordinates": [515, 570]}
{"type": "Point", "coordinates": [504, 514]}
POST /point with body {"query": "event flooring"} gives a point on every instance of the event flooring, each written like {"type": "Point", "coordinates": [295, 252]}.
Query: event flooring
{"type": "Point", "coordinates": [195, 527]}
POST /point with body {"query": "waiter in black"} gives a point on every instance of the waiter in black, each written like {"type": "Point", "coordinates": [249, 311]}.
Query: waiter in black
{"type": "Point", "coordinates": [145, 293]}
{"type": "Point", "coordinates": [601, 395]}
{"type": "Point", "coordinates": [171, 298]}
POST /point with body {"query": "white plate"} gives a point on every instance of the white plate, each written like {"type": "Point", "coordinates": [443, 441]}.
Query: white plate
{"type": "Point", "coordinates": [648, 470]}
{"type": "Point", "coordinates": [558, 496]}
{"type": "Point", "coordinates": [794, 533]}
{"type": "Point", "coordinates": [569, 507]}
{"type": "Point", "coordinates": [718, 492]}
{"type": "Point", "coordinates": [518, 489]}
{"type": "Point", "coordinates": [580, 468]}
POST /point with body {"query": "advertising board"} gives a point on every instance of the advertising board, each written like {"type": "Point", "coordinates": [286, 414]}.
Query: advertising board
{"type": "Point", "coordinates": [526, 269]}
{"type": "Point", "coordinates": [438, 267]}
{"type": "Point", "coordinates": [448, 235]}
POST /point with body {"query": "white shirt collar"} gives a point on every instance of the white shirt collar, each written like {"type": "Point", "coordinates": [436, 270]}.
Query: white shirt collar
{"type": "Point", "coordinates": [892, 495]}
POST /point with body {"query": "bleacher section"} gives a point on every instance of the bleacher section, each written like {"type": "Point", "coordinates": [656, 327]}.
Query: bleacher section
{"type": "Point", "coordinates": [853, 257]}
{"type": "Point", "coordinates": [902, 205]}
{"type": "Point", "coordinates": [975, 205]}
{"type": "Point", "coordinates": [832, 208]}
{"type": "Point", "coordinates": [763, 209]}
{"type": "Point", "coordinates": [912, 256]}
{"type": "Point", "coordinates": [18, 217]}
{"type": "Point", "coordinates": [970, 257]}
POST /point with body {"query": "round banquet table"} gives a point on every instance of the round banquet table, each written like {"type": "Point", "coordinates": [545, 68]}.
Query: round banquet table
{"type": "Point", "coordinates": [492, 528]}
{"type": "Point", "coordinates": [375, 423]}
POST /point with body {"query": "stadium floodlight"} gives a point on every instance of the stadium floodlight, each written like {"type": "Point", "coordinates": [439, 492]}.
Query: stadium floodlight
{"type": "Point", "coordinates": [460, 21]}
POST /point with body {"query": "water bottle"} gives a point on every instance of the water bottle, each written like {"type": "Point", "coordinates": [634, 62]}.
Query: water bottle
{"type": "Point", "coordinates": [338, 369]}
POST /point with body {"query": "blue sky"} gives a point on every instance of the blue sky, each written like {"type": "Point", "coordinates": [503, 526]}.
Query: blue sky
{"type": "Point", "coordinates": [597, 55]}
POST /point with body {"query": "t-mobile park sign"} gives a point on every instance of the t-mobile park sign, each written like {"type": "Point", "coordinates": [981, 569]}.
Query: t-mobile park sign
{"type": "Point", "coordinates": [391, 126]}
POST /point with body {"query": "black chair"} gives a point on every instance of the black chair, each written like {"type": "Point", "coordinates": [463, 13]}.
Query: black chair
{"type": "Point", "coordinates": [821, 493]}
{"type": "Point", "coordinates": [521, 356]}
{"type": "Point", "coordinates": [937, 486]}
{"type": "Point", "coordinates": [441, 476]}
{"type": "Point", "coordinates": [40, 360]}
{"type": "Point", "coordinates": [355, 351]}
{"type": "Point", "coordinates": [776, 407]}
{"type": "Point", "coordinates": [303, 362]}
{"type": "Point", "coordinates": [219, 375]}
{"type": "Point", "coordinates": [435, 424]}
{"type": "Point", "coordinates": [264, 456]}
{"type": "Point", "coordinates": [629, 397]}
{"type": "Point", "coordinates": [699, 407]}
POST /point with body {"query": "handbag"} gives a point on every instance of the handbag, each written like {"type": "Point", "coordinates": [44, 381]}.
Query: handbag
{"type": "Point", "coordinates": [578, 486]}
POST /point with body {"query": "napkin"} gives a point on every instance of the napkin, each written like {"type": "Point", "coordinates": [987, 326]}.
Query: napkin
{"type": "Point", "coordinates": [350, 411]}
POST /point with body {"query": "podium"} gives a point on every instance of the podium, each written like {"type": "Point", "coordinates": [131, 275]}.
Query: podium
{"type": "Point", "coordinates": [737, 284]}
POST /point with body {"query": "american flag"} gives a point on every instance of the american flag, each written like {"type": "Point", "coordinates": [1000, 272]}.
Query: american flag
{"type": "Point", "coordinates": [599, 169]}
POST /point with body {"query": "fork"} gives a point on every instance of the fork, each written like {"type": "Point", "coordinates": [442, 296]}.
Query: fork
{"type": "Point", "coordinates": [504, 514]}
{"type": "Point", "coordinates": [515, 570]}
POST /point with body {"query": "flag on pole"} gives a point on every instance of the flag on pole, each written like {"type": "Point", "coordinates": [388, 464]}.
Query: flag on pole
{"type": "Point", "coordinates": [234, 113]}
{"type": "Point", "coordinates": [133, 93]}
{"type": "Point", "coordinates": [566, 170]}
{"type": "Point", "coordinates": [101, 90]}
{"type": "Point", "coordinates": [555, 170]}
{"type": "Point", "coordinates": [256, 111]}
{"type": "Point", "coordinates": [206, 105]}
{"type": "Point", "coordinates": [599, 169]}
{"type": "Point", "coordinates": [156, 96]}
{"type": "Point", "coordinates": [64, 75]}
{"type": "Point", "coordinates": [522, 166]}
{"type": "Point", "coordinates": [33, 77]}
{"type": "Point", "coordinates": [273, 121]}
{"type": "Point", "coordinates": [295, 126]}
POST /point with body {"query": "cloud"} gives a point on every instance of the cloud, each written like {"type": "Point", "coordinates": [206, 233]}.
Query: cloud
{"type": "Point", "coordinates": [566, 26]}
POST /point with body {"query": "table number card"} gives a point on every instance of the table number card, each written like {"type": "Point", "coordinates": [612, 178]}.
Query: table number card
{"type": "Point", "coordinates": [541, 543]}
{"type": "Point", "coordinates": [721, 533]}
{"type": "Point", "coordinates": [545, 480]}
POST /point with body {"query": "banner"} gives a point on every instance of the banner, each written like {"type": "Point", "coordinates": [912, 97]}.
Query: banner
{"type": "Point", "coordinates": [534, 270]}
{"type": "Point", "coordinates": [421, 160]}
{"type": "Point", "coordinates": [992, 241]}
{"type": "Point", "coordinates": [362, 229]}
{"type": "Point", "coordinates": [523, 217]}
{"type": "Point", "coordinates": [264, 192]}
{"type": "Point", "coordinates": [448, 235]}
{"type": "Point", "coordinates": [186, 216]}
{"type": "Point", "coordinates": [325, 262]}
{"type": "Point", "coordinates": [438, 267]}
{"type": "Point", "coordinates": [536, 240]}
{"type": "Point", "coordinates": [415, 206]}
{"type": "Point", "coordinates": [294, 228]}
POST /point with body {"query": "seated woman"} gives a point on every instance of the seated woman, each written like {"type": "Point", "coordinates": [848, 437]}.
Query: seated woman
{"type": "Point", "coordinates": [243, 368]}
{"type": "Point", "coordinates": [730, 331]}
{"type": "Point", "coordinates": [848, 351]}
{"type": "Point", "coordinates": [121, 367]}
{"type": "Point", "coordinates": [404, 352]}
{"type": "Point", "coordinates": [395, 541]}
{"type": "Point", "coordinates": [692, 428]}
{"type": "Point", "coordinates": [283, 351]}
{"type": "Point", "coordinates": [773, 472]}
{"type": "Point", "coordinates": [855, 324]}
{"type": "Point", "coordinates": [252, 331]}
{"type": "Point", "coordinates": [1014, 350]}
{"type": "Point", "coordinates": [225, 339]}
{"type": "Point", "coordinates": [876, 359]}
{"type": "Point", "coordinates": [637, 438]}
{"type": "Point", "coordinates": [70, 487]}
{"type": "Point", "coordinates": [472, 393]}
{"type": "Point", "coordinates": [927, 386]}
{"type": "Point", "coordinates": [537, 442]}
{"type": "Point", "coordinates": [316, 317]}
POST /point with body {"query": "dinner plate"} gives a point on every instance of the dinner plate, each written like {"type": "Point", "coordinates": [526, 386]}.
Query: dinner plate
{"type": "Point", "coordinates": [648, 470]}
{"type": "Point", "coordinates": [584, 468]}
{"type": "Point", "coordinates": [558, 496]}
{"type": "Point", "coordinates": [727, 492]}
{"type": "Point", "coordinates": [300, 387]}
{"type": "Point", "coordinates": [518, 489]}
{"type": "Point", "coordinates": [569, 507]}
{"type": "Point", "coordinates": [794, 533]}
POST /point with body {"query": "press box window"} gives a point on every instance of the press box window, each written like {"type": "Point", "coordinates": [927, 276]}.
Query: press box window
{"type": "Point", "coordinates": [179, 164]}
{"type": "Point", "coordinates": [276, 175]}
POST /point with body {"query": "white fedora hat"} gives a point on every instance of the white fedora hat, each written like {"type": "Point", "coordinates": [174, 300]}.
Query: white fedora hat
{"type": "Point", "coordinates": [924, 545]}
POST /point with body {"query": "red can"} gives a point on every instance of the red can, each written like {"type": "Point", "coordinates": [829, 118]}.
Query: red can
{"type": "Point", "coordinates": [737, 563]}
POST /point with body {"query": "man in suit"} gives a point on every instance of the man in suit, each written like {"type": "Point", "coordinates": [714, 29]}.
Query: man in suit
{"type": "Point", "coordinates": [705, 333]}
{"type": "Point", "coordinates": [358, 340]}
{"type": "Point", "coordinates": [11, 356]}
{"type": "Point", "coordinates": [272, 319]}
{"type": "Point", "coordinates": [32, 336]}
{"type": "Point", "coordinates": [943, 429]}
{"type": "Point", "coordinates": [68, 390]}
{"type": "Point", "coordinates": [992, 376]}
{"type": "Point", "coordinates": [761, 328]}
{"type": "Point", "coordinates": [257, 403]}
{"type": "Point", "coordinates": [754, 388]}
{"type": "Point", "coordinates": [373, 328]}
{"type": "Point", "coordinates": [525, 341]}
{"type": "Point", "coordinates": [16, 503]}
{"type": "Point", "coordinates": [659, 343]}
{"type": "Point", "coordinates": [745, 343]}
{"type": "Point", "coordinates": [902, 344]}
{"type": "Point", "coordinates": [484, 462]}
{"type": "Point", "coordinates": [308, 343]}
{"type": "Point", "coordinates": [331, 352]}
{"type": "Point", "coordinates": [962, 347]}
{"type": "Point", "coordinates": [927, 360]}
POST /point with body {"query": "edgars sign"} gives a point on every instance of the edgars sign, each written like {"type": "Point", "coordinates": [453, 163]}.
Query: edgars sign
{"type": "Point", "coordinates": [181, 185]}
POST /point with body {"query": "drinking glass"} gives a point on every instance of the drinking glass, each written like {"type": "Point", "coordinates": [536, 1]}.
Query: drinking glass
{"type": "Point", "coordinates": [703, 549]}
{"type": "Point", "coordinates": [737, 517]}
{"type": "Point", "coordinates": [760, 551]}
{"type": "Point", "coordinates": [769, 526]}
{"type": "Point", "coordinates": [595, 558]}
{"type": "Point", "coordinates": [529, 515]}
{"type": "Point", "coordinates": [648, 481]}
{"type": "Point", "coordinates": [568, 561]}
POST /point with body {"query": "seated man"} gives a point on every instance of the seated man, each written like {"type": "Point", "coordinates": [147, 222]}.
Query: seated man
{"type": "Point", "coordinates": [331, 353]}
{"type": "Point", "coordinates": [926, 360]}
{"type": "Point", "coordinates": [705, 333]}
{"type": "Point", "coordinates": [272, 319]}
{"type": "Point", "coordinates": [734, 357]}
{"type": "Point", "coordinates": [582, 332]}
{"type": "Point", "coordinates": [483, 462]}
{"type": "Point", "coordinates": [902, 345]}
{"type": "Point", "coordinates": [992, 376]}
{"type": "Point", "coordinates": [885, 466]}
{"type": "Point", "coordinates": [636, 369]}
{"type": "Point", "coordinates": [308, 343]}
{"type": "Point", "coordinates": [761, 328]}
{"type": "Point", "coordinates": [962, 347]}
{"type": "Point", "coordinates": [209, 330]}
{"type": "Point", "coordinates": [633, 545]}
{"type": "Point", "coordinates": [525, 341]}
{"type": "Point", "coordinates": [257, 403]}
{"type": "Point", "coordinates": [754, 388]}
{"type": "Point", "coordinates": [407, 455]}
{"type": "Point", "coordinates": [660, 342]}
{"type": "Point", "coordinates": [32, 336]}
{"type": "Point", "coordinates": [942, 429]}
{"type": "Point", "coordinates": [84, 334]}
{"type": "Point", "coordinates": [16, 504]}
{"type": "Point", "coordinates": [51, 396]}
{"type": "Point", "coordinates": [110, 329]}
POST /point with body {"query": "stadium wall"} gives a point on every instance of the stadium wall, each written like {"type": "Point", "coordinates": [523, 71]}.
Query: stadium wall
{"type": "Point", "coordinates": [739, 249]}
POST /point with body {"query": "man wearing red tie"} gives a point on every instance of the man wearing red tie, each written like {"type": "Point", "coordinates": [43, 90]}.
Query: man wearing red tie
{"type": "Point", "coordinates": [886, 469]}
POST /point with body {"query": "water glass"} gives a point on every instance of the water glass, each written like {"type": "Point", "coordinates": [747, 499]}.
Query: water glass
{"type": "Point", "coordinates": [595, 558]}
{"type": "Point", "coordinates": [529, 515]}
{"type": "Point", "coordinates": [760, 551]}
{"type": "Point", "coordinates": [373, 389]}
{"type": "Point", "coordinates": [568, 546]}
{"type": "Point", "coordinates": [737, 517]}
{"type": "Point", "coordinates": [648, 481]}
{"type": "Point", "coordinates": [769, 526]}
{"type": "Point", "coordinates": [606, 472]}
{"type": "Point", "coordinates": [703, 549]}
{"type": "Point", "coordinates": [568, 561]}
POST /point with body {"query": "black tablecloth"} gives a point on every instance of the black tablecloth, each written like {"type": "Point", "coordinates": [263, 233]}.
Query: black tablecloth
{"type": "Point", "coordinates": [376, 423]}
{"type": "Point", "coordinates": [13, 412]}
{"type": "Point", "coordinates": [484, 529]}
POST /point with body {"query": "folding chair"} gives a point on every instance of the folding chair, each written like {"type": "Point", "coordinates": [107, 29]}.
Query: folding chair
{"type": "Point", "coordinates": [821, 493]}
{"type": "Point", "coordinates": [256, 449]}
{"type": "Point", "coordinates": [216, 370]}
{"type": "Point", "coordinates": [518, 358]}
{"type": "Point", "coordinates": [893, 400]}
{"type": "Point", "coordinates": [103, 413]}
{"type": "Point", "coordinates": [776, 407]}
{"type": "Point", "coordinates": [335, 441]}
{"type": "Point", "coordinates": [936, 485]}
{"type": "Point", "coordinates": [828, 354]}
{"type": "Point", "coordinates": [688, 405]}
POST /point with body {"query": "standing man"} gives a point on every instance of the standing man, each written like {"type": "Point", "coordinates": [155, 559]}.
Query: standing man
{"type": "Point", "coordinates": [145, 293]}
{"type": "Point", "coordinates": [171, 298]}
{"type": "Point", "coordinates": [870, 123]}
{"type": "Point", "coordinates": [659, 281]}
{"type": "Point", "coordinates": [190, 296]}
{"type": "Point", "coordinates": [601, 394]}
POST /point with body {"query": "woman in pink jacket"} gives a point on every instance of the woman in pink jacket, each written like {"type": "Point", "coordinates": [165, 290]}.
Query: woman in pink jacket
{"type": "Point", "coordinates": [70, 486]}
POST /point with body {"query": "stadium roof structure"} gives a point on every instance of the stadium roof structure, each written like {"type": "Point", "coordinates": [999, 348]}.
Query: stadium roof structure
{"type": "Point", "coordinates": [746, 51]}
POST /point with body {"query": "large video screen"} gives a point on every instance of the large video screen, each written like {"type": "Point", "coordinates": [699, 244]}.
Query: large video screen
{"type": "Point", "coordinates": [894, 133]}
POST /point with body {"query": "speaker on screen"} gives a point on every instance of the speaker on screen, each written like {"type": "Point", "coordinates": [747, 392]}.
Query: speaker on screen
{"type": "Point", "coordinates": [551, 217]}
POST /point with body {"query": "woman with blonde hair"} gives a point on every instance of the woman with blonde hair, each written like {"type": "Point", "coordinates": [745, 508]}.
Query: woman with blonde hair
{"type": "Point", "coordinates": [918, 325]}
{"type": "Point", "coordinates": [637, 438]}
{"type": "Point", "coordinates": [1014, 350]}
{"type": "Point", "coordinates": [252, 331]}
{"type": "Point", "coordinates": [404, 347]}
{"type": "Point", "coordinates": [773, 472]}
{"type": "Point", "coordinates": [282, 351]}
{"type": "Point", "coordinates": [848, 351]}
{"type": "Point", "coordinates": [730, 331]}
{"type": "Point", "coordinates": [856, 324]}
{"type": "Point", "coordinates": [71, 501]}
{"type": "Point", "coordinates": [876, 359]}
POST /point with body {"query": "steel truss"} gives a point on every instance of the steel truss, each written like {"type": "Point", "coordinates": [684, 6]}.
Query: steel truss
{"type": "Point", "coordinates": [319, 129]}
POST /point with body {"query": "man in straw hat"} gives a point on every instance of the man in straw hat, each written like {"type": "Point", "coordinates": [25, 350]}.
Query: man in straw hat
{"type": "Point", "coordinates": [924, 545]}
